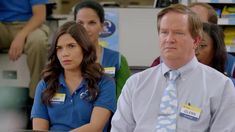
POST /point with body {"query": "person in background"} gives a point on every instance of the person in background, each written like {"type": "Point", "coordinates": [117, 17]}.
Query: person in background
{"type": "Point", "coordinates": [211, 50]}
{"type": "Point", "coordinates": [204, 99]}
{"type": "Point", "coordinates": [91, 15]}
{"type": "Point", "coordinates": [207, 14]}
{"type": "Point", "coordinates": [74, 94]}
{"type": "Point", "coordinates": [22, 31]}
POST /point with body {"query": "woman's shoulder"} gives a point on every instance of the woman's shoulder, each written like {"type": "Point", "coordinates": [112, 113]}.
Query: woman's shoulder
{"type": "Point", "coordinates": [41, 84]}
{"type": "Point", "coordinates": [110, 51]}
{"type": "Point", "coordinates": [106, 80]}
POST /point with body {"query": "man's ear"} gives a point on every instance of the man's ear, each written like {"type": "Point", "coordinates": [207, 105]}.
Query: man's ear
{"type": "Point", "coordinates": [197, 41]}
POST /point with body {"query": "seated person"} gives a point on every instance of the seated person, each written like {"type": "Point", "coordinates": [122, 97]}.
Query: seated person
{"type": "Point", "coordinates": [211, 50]}
{"type": "Point", "coordinates": [22, 31]}
{"type": "Point", "coordinates": [90, 14]}
{"type": "Point", "coordinates": [208, 14]}
{"type": "Point", "coordinates": [180, 94]}
{"type": "Point", "coordinates": [74, 93]}
{"type": "Point", "coordinates": [210, 17]}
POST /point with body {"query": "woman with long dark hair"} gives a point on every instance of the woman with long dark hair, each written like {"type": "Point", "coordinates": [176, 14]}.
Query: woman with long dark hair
{"type": "Point", "coordinates": [74, 93]}
{"type": "Point", "coordinates": [211, 51]}
{"type": "Point", "coordinates": [90, 14]}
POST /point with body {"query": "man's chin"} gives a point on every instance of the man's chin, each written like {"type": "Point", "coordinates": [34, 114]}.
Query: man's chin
{"type": "Point", "coordinates": [170, 57]}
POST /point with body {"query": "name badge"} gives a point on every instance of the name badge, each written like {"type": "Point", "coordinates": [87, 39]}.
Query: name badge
{"type": "Point", "coordinates": [190, 112]}
{"type": "Point", "coordinates": [59, 98]}
{"type": "Point", "coordinates": [110, 71]}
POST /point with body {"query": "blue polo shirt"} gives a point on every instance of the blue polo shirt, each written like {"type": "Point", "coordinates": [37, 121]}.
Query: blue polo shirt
{"type": "Point", "coordinates": [17, 10]}
{"type": "Point", "coordinates": [75, 111]}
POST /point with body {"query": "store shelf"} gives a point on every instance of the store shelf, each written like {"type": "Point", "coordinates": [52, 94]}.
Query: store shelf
{"type": "Point", "coordinates": [216, 1]}
{"type": "Point", "coordinates": [226, 21]}
{"type": "Point", "coordinates": [231, 49]}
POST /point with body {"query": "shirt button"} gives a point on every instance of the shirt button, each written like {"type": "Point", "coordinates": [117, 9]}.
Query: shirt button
{"type": "Point", "coordinates": [71, 100]}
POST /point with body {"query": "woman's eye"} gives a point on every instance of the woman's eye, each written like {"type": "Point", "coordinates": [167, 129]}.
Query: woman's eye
{"type": "Point", "coordinates": [71, 45]}
{"type": "Point", "coordinates": [202, 45]}
{"type": "Point", "coordinates": [92, 23]}
{"type": "Point", "coordinates": [58, 48]}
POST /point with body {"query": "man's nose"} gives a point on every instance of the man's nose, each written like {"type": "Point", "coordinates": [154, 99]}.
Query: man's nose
{"type": "Point", "coordinates": [170, 37]}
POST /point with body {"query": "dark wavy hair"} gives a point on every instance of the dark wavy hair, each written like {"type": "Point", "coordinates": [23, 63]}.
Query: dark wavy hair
{"type": "Point", "coordinates": [91, 71]}
{"type": "Point", "coordinates": [90, 4]}
{"type": "Point", "coordinates": [217, 36]}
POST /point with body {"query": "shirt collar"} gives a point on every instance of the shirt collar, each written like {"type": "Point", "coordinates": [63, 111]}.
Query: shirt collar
{"type": "Point", "coordinates": [62, 81]}
{"type": "Point", "coordinates": [184, 69]}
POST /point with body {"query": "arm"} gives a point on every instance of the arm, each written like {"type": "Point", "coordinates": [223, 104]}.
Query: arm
{"type": "Point", "coordinates": [123, 119]}
{"type": "Point", "coordinates": [40, 124]}
{"type": "Point", "coordinates": [122, 75]}
{"type": "Point", "coordinates": [104, 106]}
{"type": "Point", "coordinates": [99, 118]}
{"type": "Point", "coordinates": [39, 112]}
{"type": "Point", "coordinates": [222, 119]}
{"type": "Point", "coordinates": [17, 45]}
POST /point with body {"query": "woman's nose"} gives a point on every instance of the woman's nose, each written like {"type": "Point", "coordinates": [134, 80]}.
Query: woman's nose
{"type": "Point", "coordinates": [65, 52]}
{"type": "Point", "coordinates": [86, 27]}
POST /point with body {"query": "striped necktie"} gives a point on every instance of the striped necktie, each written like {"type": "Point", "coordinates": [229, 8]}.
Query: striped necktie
{"type": "Point", "coordinates": [166, 121]}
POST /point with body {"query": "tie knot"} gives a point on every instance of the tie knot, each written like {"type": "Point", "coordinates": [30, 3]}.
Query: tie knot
{"type": "Point", "coordinates": [173, 75]}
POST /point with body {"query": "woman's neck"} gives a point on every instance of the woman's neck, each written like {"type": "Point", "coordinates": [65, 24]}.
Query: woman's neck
{"type": "Point", "coordinates": [98, 53]}
{"type": "Point", "coordinates": [72, 79]}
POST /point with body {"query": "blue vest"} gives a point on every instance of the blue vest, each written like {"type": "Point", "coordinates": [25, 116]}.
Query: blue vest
{"type": "Point", "coordinates": [110, 60]}
{"type": "Point", "coordinates": [229, 65]}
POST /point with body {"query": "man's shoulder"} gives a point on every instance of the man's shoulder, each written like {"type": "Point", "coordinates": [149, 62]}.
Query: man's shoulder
{"type": "Point", "coordinates": [213, 74]}
{"type": "Point", "coordinates": [146, 74]}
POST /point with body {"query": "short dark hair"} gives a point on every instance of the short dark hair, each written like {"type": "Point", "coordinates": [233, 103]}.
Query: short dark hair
{"type": "Point", "coordinates": [90, 4]}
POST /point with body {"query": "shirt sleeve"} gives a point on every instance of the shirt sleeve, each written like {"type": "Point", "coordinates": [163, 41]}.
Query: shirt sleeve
{"type": "Point", "coordinates": [223, 119]}
{"type": "Point", "coordinates": [123, 120]}
{"type": "Point", "coordinates": [39, 110]}
{"type": "Point", "coordinates": [37, 2]}
{"type": "Point", "coordinates": [107, 94]}
{"type": "Point", "coordinates": [122, 75]}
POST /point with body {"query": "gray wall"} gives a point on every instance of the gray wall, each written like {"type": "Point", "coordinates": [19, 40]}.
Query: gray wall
{"type": "Point", "coordinates": [137, 34]}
